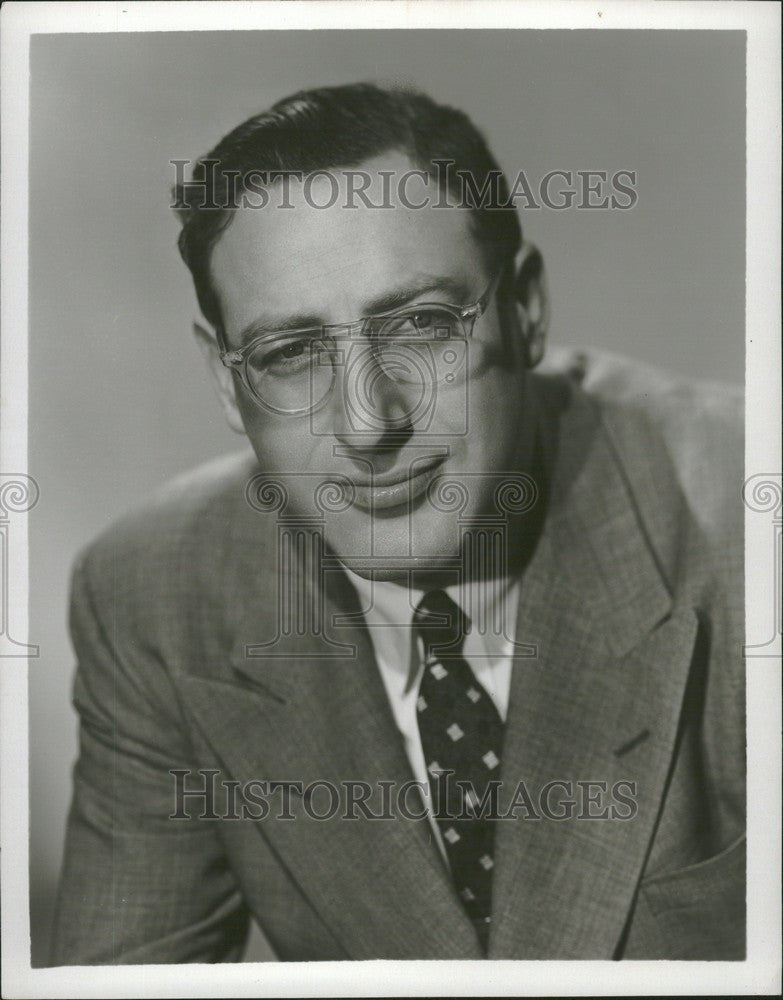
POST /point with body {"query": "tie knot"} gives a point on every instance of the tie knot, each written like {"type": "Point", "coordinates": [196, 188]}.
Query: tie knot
{"type": "Point", "coordinates": [441, 622]}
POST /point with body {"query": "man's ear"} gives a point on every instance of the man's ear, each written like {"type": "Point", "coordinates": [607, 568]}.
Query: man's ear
{"type": "Point", "coordinates": [532, 297]}
{"type": "Point", "coordinates": [222, 378]}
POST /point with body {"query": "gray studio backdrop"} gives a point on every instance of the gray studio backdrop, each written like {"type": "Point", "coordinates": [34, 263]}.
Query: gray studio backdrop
{"type": "Point", "coordinates": [118, 400]}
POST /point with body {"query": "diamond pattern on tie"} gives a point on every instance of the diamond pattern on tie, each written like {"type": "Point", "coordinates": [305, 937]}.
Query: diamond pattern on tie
{"type": "Point", "coordinates": [463, 737]}
{"type": "Point", "coordinates": [490, 759]}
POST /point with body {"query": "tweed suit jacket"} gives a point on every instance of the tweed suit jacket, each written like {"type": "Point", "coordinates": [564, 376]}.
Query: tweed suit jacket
{"type": "Point", "coordinates": [633, 602]}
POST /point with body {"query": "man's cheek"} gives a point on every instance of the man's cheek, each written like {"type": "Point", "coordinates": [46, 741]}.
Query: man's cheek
{"type": "Point", "coordinates": [286, 449]}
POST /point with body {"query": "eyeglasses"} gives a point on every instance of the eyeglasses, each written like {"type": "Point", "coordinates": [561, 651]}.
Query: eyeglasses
{"type": "Point", "coordinates": [294, 371]}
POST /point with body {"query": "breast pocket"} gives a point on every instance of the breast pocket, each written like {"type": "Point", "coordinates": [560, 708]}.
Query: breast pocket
{"type": "Point", "coordinates": [695, 913]}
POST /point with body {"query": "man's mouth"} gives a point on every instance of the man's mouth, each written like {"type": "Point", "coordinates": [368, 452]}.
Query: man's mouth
{"type": "Point", "coordinates": [396, 488]}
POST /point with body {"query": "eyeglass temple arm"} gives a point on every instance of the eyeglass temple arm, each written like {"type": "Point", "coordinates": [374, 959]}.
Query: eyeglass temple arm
{"type": "Point", "coordinates": [231, 359]}
{"type": "Point", "coordinates": [480, 307]}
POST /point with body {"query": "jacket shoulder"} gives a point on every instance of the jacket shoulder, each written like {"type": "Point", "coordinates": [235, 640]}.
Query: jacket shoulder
{"type": "Point", "coordinates": [679, 444]}
{"type": "Point", "coordinates": [198, 501]}
{"type": "Point", "coordinates": [174, 550]}
{"type": "Point", "coordinates": [685, 433]}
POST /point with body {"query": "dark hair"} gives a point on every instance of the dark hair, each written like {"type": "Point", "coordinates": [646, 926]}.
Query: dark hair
{"type": "Point", "coordinates": [341, 127]}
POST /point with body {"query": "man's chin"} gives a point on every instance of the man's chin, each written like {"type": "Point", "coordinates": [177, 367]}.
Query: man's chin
{"type": "Point", "coordinates": [424, 541]}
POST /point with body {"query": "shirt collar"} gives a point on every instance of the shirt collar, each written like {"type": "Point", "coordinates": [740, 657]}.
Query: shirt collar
{"type": "Point", "coordinates": [388, 609]}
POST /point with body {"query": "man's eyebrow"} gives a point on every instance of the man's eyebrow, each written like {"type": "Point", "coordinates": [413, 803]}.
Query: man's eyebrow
{"type": "Point", "coordinates": [453, 291]}
{"type": "Point", "coordinates": [259, 327]}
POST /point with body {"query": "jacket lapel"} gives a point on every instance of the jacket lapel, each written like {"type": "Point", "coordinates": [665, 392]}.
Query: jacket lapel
{"type": "Point", "coordinates": [600, 702]}
{"type": "Point", "coordinates": [314, 710]}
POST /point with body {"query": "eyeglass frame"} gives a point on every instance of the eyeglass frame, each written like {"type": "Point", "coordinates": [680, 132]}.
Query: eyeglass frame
{"type": "Point", "coordinates": [236, 360]}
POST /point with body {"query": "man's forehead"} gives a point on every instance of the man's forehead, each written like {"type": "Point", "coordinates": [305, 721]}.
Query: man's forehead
{"type": "Point", "coordinates": [268, 255]}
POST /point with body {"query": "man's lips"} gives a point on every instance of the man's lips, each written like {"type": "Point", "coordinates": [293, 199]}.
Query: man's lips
{"type": "Point", "coordinates": [396, 486]}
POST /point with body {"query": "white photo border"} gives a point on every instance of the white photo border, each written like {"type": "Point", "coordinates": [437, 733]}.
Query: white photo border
{"type": "Point", "coordinates": [760, 972]}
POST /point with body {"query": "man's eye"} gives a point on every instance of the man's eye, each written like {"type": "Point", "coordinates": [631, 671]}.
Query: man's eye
{"type": "Point", "coordinates": [285, 359]}
{"type": "Point", "coordinates": [418, 321]}
{"type": "Point", "coordinates": [286, 353]}
{"type": "Point", "coordinates": [409, 324]}
{"type": "Point", "coordinates": [294, 350]}
{"type": "Point", "coordinates": [423, 319]}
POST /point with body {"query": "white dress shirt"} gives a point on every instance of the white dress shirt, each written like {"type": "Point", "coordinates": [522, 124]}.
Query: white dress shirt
{"type": "Point", "coordinates": [388, 609]}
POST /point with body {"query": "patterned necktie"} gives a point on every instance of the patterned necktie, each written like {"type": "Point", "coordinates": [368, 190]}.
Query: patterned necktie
{"type": "Point", "coordinates": [461, 732]}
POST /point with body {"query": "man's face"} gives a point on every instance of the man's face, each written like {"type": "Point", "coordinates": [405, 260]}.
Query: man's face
{"type": "Point", "coordinates": [399, 443]}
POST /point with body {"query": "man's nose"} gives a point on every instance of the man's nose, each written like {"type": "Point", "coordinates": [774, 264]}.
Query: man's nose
{"type": "Point", "coordinates": [370, 408]}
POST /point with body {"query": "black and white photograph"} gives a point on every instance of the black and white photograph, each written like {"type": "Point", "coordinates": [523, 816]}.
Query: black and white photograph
{"type": "Point", "coordinates": [390, 499]}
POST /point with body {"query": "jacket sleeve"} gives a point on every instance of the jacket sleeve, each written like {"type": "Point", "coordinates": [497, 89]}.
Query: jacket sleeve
{"type": "Point", "coordinates": [137, 886]}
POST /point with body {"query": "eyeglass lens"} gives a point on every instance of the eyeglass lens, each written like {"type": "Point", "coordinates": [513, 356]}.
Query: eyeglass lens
{"type": "Point", "coordinates": [420, 348]}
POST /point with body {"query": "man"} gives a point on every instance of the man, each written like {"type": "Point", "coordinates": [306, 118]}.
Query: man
{"type": "Point", "coordinates": [449, 666]}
